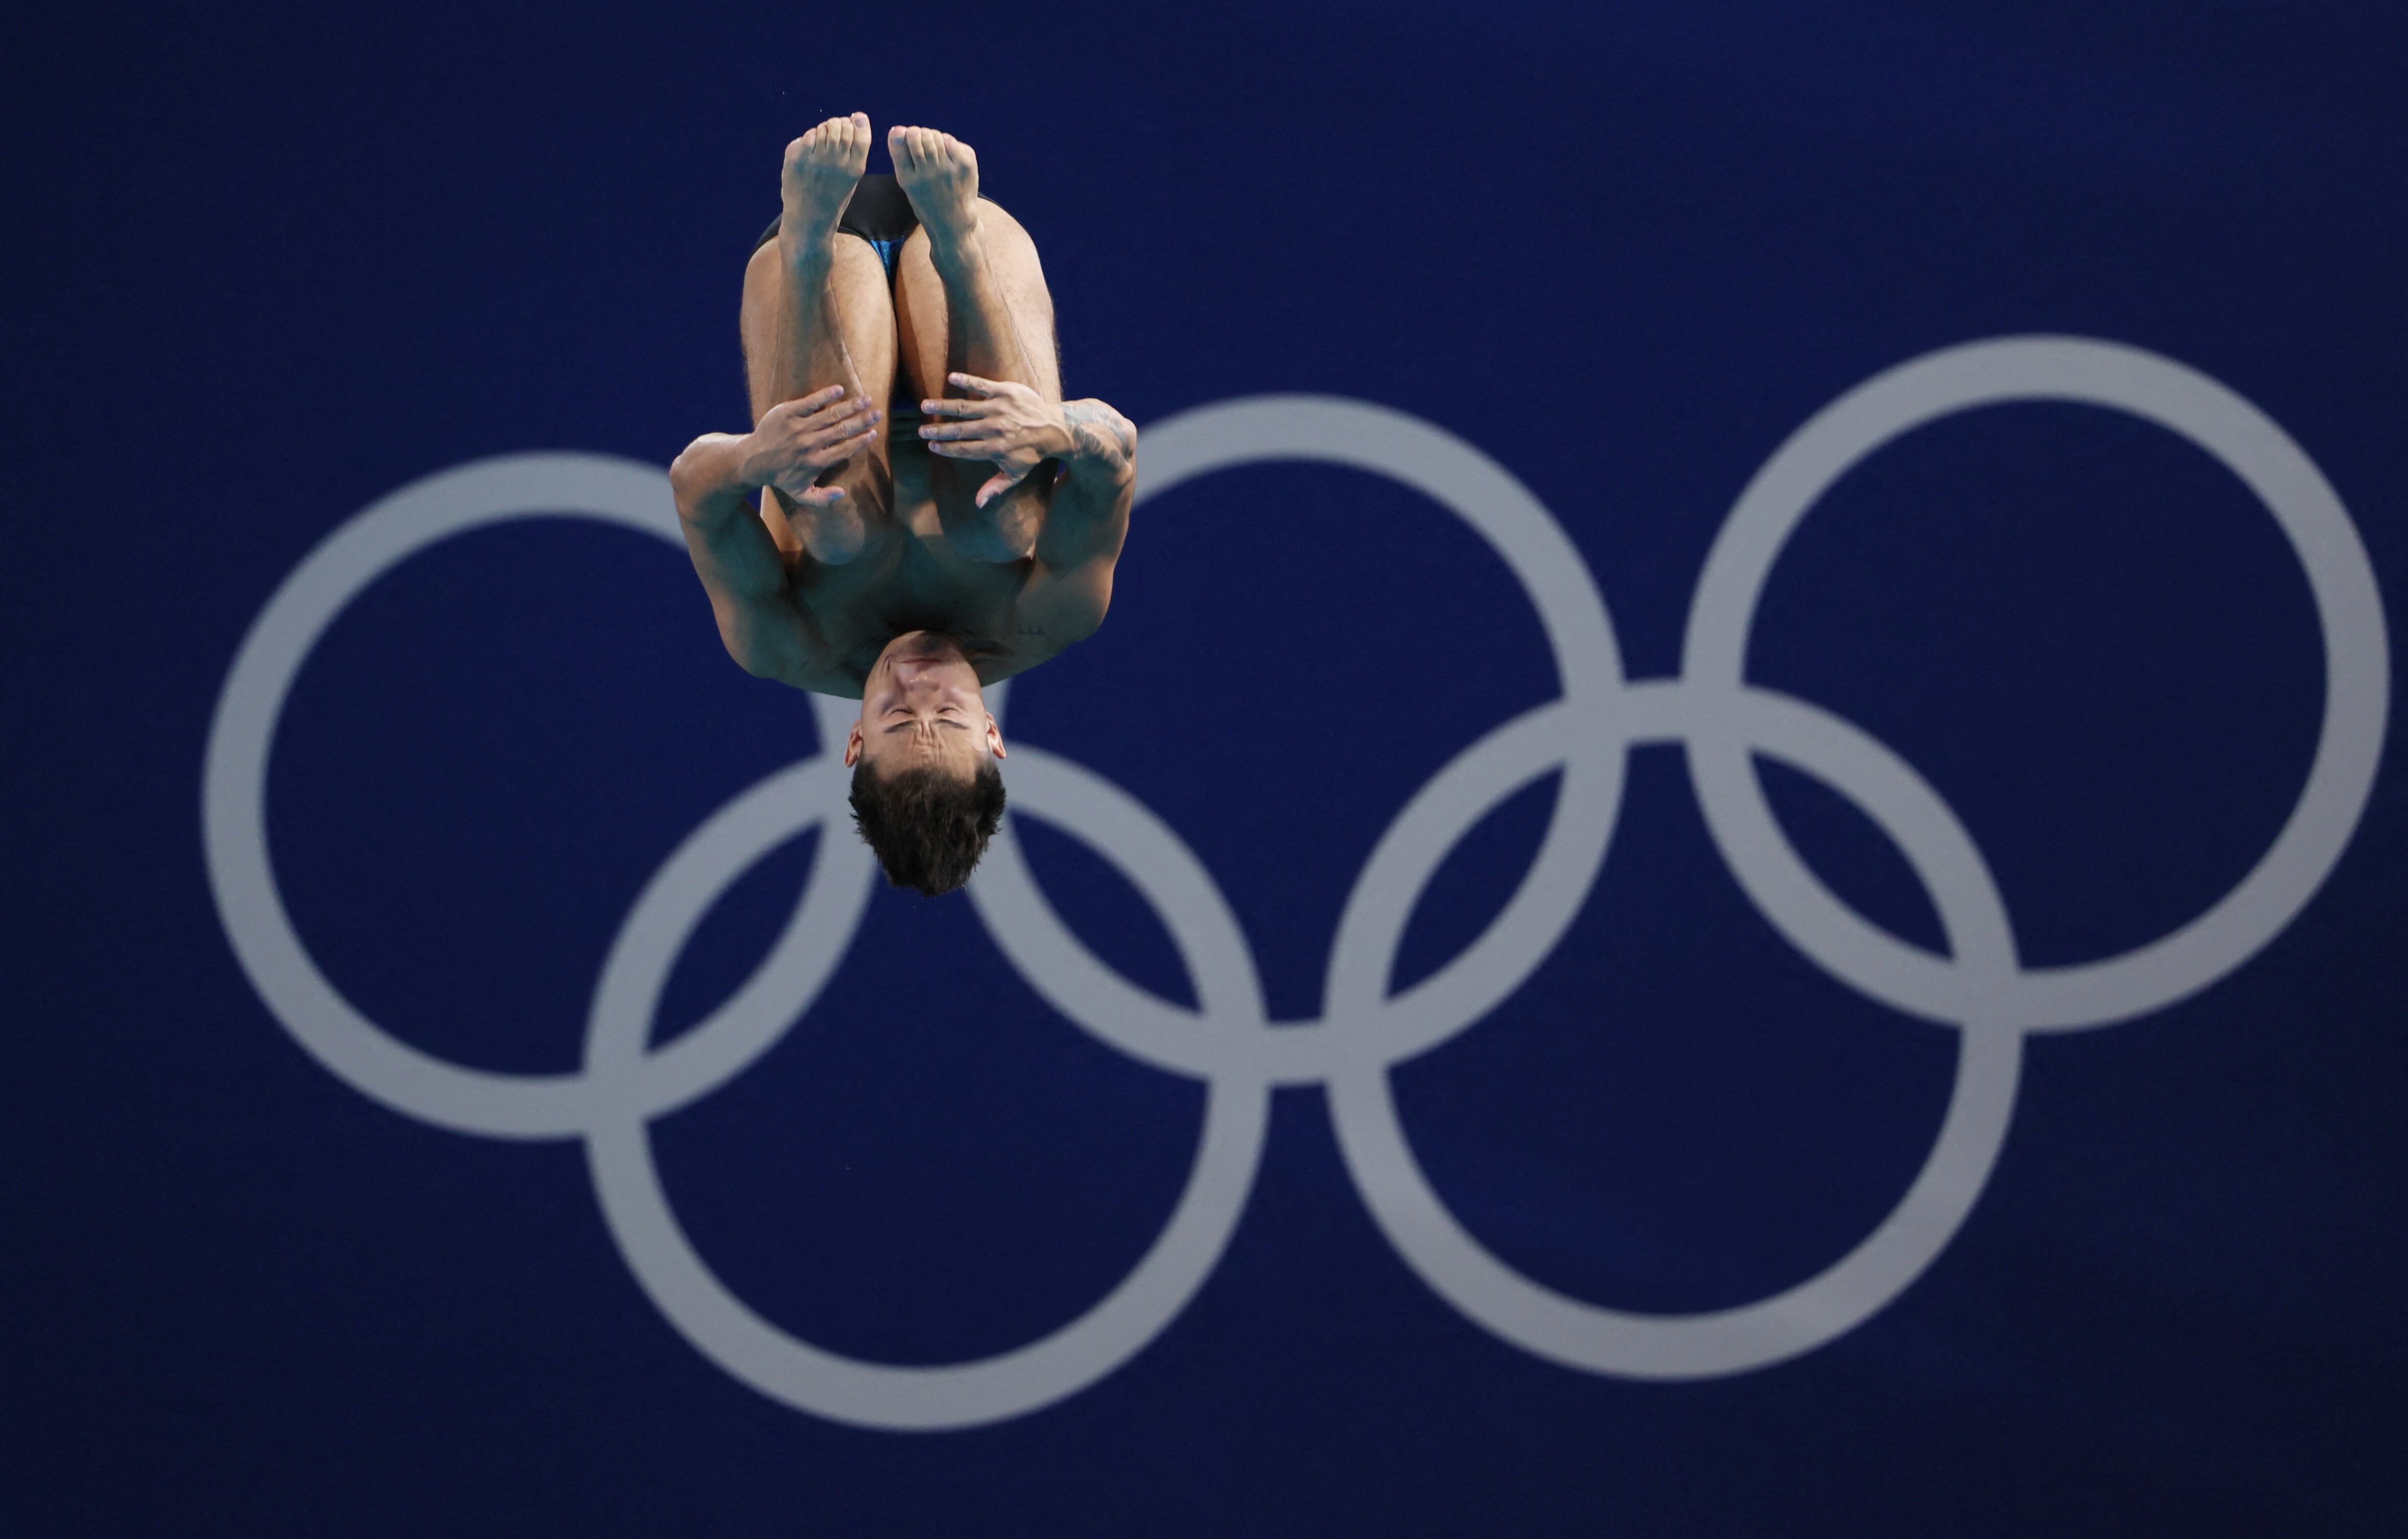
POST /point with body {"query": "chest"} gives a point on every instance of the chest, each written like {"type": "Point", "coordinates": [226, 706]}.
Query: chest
{"type": "Point", "coordinates": [910, 579]}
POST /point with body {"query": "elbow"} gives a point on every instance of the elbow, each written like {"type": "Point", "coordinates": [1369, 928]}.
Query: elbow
{"type": "Point", "coordinates": [750, 658]}
{"type": "Point", "coordinates": [687, 482]}
{"type": "Point", "coordinates": [699, 471]}
{"type": "Point", "coordinates": [1088, 617]}
{"type": "Point", "coordinates": [1128, 431]}
{"type": "Point", "coordinates": [686, 470]}
{"type": "Point", "coordinates": [759, 649]}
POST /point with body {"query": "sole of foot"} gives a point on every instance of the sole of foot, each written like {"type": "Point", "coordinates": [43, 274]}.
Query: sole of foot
{"type": "Point", "coordinates": [939, 173]}
{"type": "Point", "coordinates": [821, 171]}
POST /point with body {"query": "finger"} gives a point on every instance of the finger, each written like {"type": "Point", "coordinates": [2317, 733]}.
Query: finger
{"type": "Point", "coordinates": [816, 399]}
{"type": "Point", "coordinates": [836, 411]}
{"type": "Point", "coordinates": [819, 496]}
{"type": "Point", "coordinates": [956, 406]}
{"type": "Point", "coordinates": [1000, 483]}
{"type": "Point", "coordinates": [960, 430]}
{"type": "Point", "coordinates": [843, 447]}
{"type": "Point", "coordinates": [975, 385]}
{"type": "Point", "coordinates": [830, 430]}
{"type": "Point", "coordinates": [836, 446]}
{"type": "Point", "coordinates": [826, 427]}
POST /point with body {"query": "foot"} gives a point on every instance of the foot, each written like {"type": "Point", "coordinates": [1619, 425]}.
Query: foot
{"type": "Point", "coordinates": [822, 168]}
{"type": "Point", "coordinates": [939, 173]}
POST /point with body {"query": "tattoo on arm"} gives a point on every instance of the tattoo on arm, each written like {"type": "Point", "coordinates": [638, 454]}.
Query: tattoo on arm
{"type": "Point", "coordinates": [1097, 432]}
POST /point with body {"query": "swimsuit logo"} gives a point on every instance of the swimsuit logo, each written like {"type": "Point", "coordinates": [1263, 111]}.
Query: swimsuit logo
{"type": "Point", "coordinates": [1978, 986]}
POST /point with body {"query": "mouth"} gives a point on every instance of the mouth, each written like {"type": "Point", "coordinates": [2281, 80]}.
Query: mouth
{"type": "Point", "coordinates": [916, 657]}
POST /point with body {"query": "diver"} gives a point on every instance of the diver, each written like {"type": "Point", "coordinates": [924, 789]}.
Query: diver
{"type": "Point", "coordinates": [916, 512]}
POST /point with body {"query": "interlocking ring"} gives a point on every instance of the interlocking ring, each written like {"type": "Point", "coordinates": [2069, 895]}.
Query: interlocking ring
{"type": "Point", "coordinates": [1227, 1040]}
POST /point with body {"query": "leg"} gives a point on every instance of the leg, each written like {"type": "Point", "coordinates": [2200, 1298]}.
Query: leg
{"type": "Point", "coordinates": [817, 313]}
{"type": "Point", "coordinates": [970, 297]}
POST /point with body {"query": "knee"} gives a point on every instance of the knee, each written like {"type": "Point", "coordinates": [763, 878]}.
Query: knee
{"type": "Point", "coordinates": [1002, 531]}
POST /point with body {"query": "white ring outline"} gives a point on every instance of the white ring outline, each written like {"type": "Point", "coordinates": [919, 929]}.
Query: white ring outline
{"type": "Point", "coordinates": [1503, 512]}
{"type": "Point", "coordinates": [2349, 613]}
{"type": "Point", "coordinates": [842, 1388]}
{"type": "Point", "coordinates": [1842, 1295]}
{"type": "Point", "coordinates": [234, 797]}
{"type": "Point", "coordinates": [1364, 1031]}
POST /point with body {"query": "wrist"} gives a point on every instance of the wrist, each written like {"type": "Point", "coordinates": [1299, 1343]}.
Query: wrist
{"type": "Point", "coordinates": [708, 469]}
{"type": "Point", "coordinates": [746, 467]}
{"type": "Point", "coordinates": [1061, 443]}
{"type": "Point", "coordinates": [1100, 439]}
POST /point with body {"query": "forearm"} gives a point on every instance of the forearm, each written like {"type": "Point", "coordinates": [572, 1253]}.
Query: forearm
{"type": "Point", "coordinates": [1098, 479]}
{"type": "Point", "coordinates": [1102, 443]}
{"type": "Point", "coordinates": [739, 564]}
{"type": "Point", "coordinates": [714, 493]}
{"type": "Point", "coordinates": [811, 352]}
{"type": "Point", "coordinates": [982, 333]}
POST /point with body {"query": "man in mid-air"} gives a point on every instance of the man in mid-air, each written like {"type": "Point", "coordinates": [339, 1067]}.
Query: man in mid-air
{"type": "Point", "coordinates": [932, 516]}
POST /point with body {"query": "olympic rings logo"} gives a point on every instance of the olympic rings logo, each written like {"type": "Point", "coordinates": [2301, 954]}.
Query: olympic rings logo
{"type": "Point", "coordinates": [1227, 1041]}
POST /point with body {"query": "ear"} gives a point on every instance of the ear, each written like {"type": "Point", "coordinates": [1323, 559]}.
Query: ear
{"type": "Point", "coordinates": [853, 746]}
{"type": "Point", "coordinates": [994, 739]}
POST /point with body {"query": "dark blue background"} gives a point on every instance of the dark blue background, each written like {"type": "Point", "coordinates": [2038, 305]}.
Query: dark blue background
{"type": "Point", "coordinates": [267, 265]}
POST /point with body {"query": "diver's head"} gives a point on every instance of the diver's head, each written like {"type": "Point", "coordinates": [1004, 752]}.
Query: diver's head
{"type": "Point", "coordinates": [927, 788]}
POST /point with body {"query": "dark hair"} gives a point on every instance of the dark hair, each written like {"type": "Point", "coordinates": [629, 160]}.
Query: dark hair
{"type": "Point", "coordinates": [929, 828]}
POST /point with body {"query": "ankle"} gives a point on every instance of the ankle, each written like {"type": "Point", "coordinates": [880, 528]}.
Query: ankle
{"type": "Point", "coordinates": [957, 254]}
{"type": "Point", "coordinates": [807, 255]}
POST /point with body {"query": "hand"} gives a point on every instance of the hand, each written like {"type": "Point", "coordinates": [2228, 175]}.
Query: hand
{"type": "Point", "coordinates": [1007, 425]}
{"type": "Point", "coordinates": [798, 440]}
{"type": "Point", "coordinates": [1100, 436]}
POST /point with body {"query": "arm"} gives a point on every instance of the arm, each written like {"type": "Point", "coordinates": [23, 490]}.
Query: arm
{"type": "Point", "coordinates": [715, 482]}
{"type": "Point", "coordinates": [1070, 584]}
{"type": "Point", "coordinates": [1010, 426]}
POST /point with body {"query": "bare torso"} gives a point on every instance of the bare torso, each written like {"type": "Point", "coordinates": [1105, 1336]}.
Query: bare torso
{"type": "Point", "coordinates": [846, 519]}
{"type": "Point", "coordinates": [911, 577]}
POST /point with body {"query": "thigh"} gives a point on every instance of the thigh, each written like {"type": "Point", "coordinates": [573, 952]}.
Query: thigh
{"type": "Point", "coordinates": [1020, 281]}
{"type": "Point", "coordinates": [865, 312]}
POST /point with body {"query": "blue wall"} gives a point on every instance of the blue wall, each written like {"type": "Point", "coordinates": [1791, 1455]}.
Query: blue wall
{"type": "Point", "coordinates": [269, 268]}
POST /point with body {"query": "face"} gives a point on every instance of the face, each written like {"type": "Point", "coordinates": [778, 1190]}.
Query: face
{"type": "Point", "coordinates": [921, 708]}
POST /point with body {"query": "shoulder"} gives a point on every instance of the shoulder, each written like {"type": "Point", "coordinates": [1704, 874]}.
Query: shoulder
{"type": "Point", "coordinates": [1060, 607]}
{"type": "Point", "coordinates": [843, 683]}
